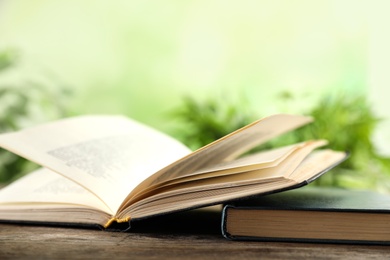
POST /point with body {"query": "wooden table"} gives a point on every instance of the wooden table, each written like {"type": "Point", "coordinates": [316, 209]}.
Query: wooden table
{"type": "Point", "coordinates": [189, 235]}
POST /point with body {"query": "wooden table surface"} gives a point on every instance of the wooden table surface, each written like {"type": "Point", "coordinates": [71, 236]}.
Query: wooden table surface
{"type": "Point", "coordinates": [189, 235]}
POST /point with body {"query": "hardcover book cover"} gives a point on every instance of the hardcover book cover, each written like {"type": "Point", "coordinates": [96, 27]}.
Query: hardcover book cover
{"type": "Point", "coordinates": [311, 214]}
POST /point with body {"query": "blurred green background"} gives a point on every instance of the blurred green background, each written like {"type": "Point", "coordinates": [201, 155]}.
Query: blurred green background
{"type": "Point", "coordinates": [226, 62]}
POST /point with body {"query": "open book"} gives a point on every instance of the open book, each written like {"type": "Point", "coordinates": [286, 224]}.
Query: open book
{"type": "Point", "coordinates": [100, 170]}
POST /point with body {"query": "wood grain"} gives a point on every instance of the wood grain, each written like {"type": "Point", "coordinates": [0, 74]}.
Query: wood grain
{"type": "Point", "coordinates": [177, 236]}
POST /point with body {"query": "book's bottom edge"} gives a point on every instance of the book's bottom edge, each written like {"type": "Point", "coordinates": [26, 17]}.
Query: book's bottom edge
{"type": "Point", "coordinates": [52, 224]}
{"type": "Point", "coordinates": [307, 240]}
{"type": "Point", "coordinates": [115, 227]}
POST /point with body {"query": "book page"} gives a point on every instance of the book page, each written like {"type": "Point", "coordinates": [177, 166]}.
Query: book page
{"type": "Point", "coordinates": [45, 187]}
{"type": "Point", "coordinates": [108, 155]}
{"type": "Point", "coordinates": [249, 163]}
{"type": "Point", "coordinates": [317, 162]}
{"type": "Point", "coordinates": [227, 148]}
{"type": "Point", "coordinates": [281, 170]}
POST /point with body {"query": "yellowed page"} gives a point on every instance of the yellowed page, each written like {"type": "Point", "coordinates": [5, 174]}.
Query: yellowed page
{"type": "Point", "coordinates": [226, 148]}
{"type": "Point", "coordinates": [317, 162]}
{"type": "Point", "coordinates": [250, 163]}
{"type": "Point", "coordinates": [256, 161]}
{"type": "Point", "coordinates": [108, 155]}
{"type": "Point", "coordinates": [45, 187]}
{"type": "Point", "coordinates": [282, 170]}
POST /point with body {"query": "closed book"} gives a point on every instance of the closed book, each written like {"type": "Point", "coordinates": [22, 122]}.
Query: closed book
{"type": "Point", "coordinates": [311, 214]}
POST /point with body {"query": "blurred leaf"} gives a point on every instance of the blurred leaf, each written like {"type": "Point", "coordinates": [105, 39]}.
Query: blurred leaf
{"type": "Point", "coordinates": [203, 122]}
{"type": "Point", "coordinates": [7, 59]}
{"type": "Point", "coordinates": [24, 105]}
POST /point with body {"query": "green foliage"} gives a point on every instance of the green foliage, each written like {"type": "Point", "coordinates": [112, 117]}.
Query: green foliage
{"type": "Point", "coordinates": [7, 59]}
{"type": "Point", "coordinates": [346, 121]}
{"type": "Point", "coordinates": [24, 105]}
{"type": "Point", "coordinates": [204, 122]}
